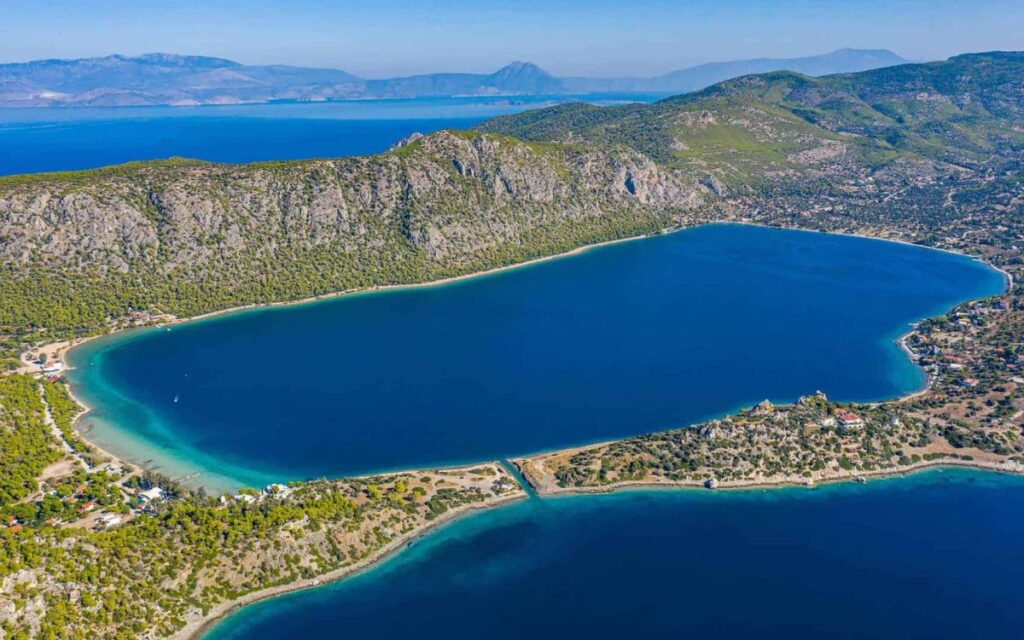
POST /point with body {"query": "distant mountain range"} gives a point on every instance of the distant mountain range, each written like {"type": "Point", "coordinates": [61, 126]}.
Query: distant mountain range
{"type": "Point", "coordinates": [169, 79]}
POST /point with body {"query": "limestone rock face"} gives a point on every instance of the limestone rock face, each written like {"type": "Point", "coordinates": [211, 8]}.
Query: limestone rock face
{"type": "Point", "coordinates": [448, 195]}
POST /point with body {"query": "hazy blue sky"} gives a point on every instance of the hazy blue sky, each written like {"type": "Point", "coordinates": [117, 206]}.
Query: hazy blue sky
{"type": "Point", "coordinates": [599, 37]}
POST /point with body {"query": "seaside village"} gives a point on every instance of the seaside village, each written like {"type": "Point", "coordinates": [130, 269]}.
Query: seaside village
{"type": "Point", "coordinates": [83, 491]}
{"type": "Point", "coordinates": [974, 357]}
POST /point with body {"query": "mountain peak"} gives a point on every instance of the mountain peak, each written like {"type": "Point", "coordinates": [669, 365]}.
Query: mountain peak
{"type": "Point", "coordinates": [521, 68]}
{"type": "Point", "coordinates": [178, 60]}
{"type": "Point", "coordinates": [885, 55]}
{"type": "Point", "coordinates": [524, 77]}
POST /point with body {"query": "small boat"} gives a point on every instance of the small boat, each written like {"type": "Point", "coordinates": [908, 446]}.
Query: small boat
{"type": "Point", "coordinates": [862, 480]}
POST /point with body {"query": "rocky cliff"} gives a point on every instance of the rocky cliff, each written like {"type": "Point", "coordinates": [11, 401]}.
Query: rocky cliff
{"type": "Point", "coordinates": [189, 237]}
{"type": "Point", "coordinates": [447, 196]}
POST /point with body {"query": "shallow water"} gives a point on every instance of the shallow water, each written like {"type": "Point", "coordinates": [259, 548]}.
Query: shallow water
{"type": "Point", "coordinates": [621, 340]}
{"type": "Point", "coordinates": [936, 555]}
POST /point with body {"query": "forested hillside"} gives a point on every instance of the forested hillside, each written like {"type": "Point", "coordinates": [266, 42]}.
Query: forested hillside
{"type": "Point", "coordinates": [957, 110]}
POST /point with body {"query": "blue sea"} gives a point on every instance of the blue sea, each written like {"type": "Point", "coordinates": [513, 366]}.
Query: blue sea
{"type": "Point", "coordinates": [47, 139]}
{"type": "Point", "coordinates": [936, 555]}
{"type": "Point", "coordinates": [621, 340]}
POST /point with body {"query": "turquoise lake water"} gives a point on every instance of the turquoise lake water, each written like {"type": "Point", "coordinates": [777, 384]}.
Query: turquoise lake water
{"type": "Point", "coordinates": [621, 340]}
{"type": "Point", "coordinates": [936, 555]}
{"type": "Point", "coordinates": [48, 139]}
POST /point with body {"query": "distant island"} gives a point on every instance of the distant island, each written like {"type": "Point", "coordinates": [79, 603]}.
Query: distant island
{"type": "Point", "coordinates": [169, 79]}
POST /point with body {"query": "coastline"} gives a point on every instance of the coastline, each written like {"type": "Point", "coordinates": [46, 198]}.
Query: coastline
{"type": "Point", "coordinates": [843, 477]}
{"type": "Point", "coordinates": [196, 629]}
{"type": "Point", "coordinates": [65, 348]}
{"type": "Point", "coordinates": [62, 349]}
{"type": "Point", "coordinates": [104, 453]}
{"type": "Point", "coordinates": [1006, 274]}
{"type": "Point", "coordinates": [390, 287]}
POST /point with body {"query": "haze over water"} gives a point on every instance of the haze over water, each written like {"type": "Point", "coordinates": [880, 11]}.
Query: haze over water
{"type": "Point", "coordinates": [621, 340]}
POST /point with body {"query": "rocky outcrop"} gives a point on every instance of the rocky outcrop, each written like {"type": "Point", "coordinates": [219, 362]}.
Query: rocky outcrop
{"type": "Point", "coordinates": [446, 194]}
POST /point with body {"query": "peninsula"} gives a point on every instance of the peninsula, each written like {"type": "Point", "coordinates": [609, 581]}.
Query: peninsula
{"type": "Point", "coordinates": [929, 154]}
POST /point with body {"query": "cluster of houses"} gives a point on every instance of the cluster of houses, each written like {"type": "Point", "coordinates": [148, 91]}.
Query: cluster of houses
{"type": "Point", "coordinates": [275, 490]}
{"type": "Point", "coordinates": [956, 358]}
{"type": "Point", "coordinates": [51, 369]}
{"type": "Point", "coordinates": [846, 420]}
{"type": "Point", "coordinates": [142, 503]}
{"type": "Point", "coordinates": [13, 524]}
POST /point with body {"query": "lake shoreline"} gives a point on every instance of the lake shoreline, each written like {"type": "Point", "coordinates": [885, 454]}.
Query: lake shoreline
{"type": "Point", "coordinates": [65, 348]}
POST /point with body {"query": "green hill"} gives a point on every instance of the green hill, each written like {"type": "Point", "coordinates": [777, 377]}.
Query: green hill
{"type": "Point", "coordinates": [958, 110]}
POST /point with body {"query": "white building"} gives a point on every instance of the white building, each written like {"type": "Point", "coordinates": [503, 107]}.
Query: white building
{"type": "Point", "coordinates": [278, 490]}
{"type": "Point", "coordinates": [54, 366]}
{"type": "Point", "coordinates": [111, 519]}
{"type": "Point", "coordinates": [154, 493]}
{"type": "Point", "coordinates": [849, 420]}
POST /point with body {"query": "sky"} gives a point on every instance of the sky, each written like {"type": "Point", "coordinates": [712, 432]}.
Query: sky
{"type": "Point", "coordinates": [566, 37]}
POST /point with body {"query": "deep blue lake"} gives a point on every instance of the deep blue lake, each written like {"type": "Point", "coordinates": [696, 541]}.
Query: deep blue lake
{"type": "Point", "coordinates": [42, 139]}
{"type": "Point", "coordinates": [937, 555]}
{"type": "Point", "coordinates": [617, 341]}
